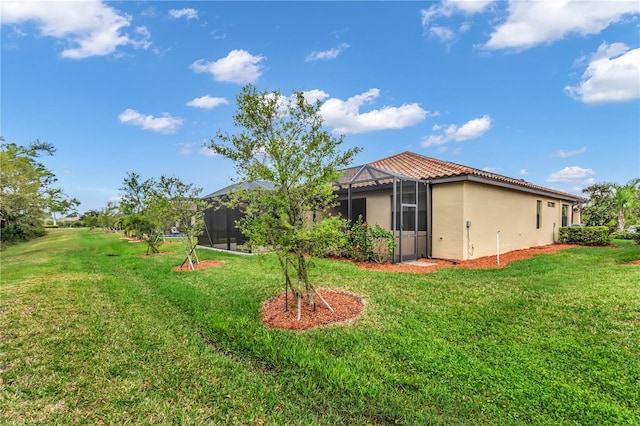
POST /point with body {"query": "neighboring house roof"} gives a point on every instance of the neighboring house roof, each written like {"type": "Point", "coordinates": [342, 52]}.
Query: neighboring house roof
{"type": "Point", "coordinates": [243, 186]}
{"type": "Point", "coordinates": [69, 219]}
{"type": "Point", "coordinates": [415, 166]}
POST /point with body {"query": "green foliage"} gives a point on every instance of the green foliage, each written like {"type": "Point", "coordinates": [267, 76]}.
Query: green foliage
{"type": "Point", "coordinates": [58, 203]}
{"type": "Point", "coordinates": [152, 207]}
{"type": "Point", "coordinates": [369, 243]}
{"type": "Point", "coordinates": [625, 235]}
{"type": "Point", "coordinates": [24, 183]}
{"type": "Point", "coordinates": [281, 140]}
{"type": "Point", "coordinates": [612, 205]}
{"type": "Point", "coordinates": [585, 235]}
{"type": "Point", "coordinates": [599, 209]}
{"type": "Point", "coordinates": [90, 219]}
{"type": "Point", "coordinates": [329, 237]}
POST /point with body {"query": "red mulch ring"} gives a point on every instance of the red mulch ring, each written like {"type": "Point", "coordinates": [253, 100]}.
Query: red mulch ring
{"type": "Point", "coordinates": [203, 264]}
{"type": "Point", "coordinates": [479, 263]}
{"type": "Point", "coordinates": [346, 308]}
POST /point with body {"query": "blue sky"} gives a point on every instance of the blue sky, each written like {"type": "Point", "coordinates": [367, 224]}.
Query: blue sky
{"type": "Point", "coordinates": [547, 91]}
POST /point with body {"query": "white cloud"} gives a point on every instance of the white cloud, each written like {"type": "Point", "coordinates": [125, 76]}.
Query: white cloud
{"type": "Point", "coordinates": [570, 174]}
{"type": "Point", "coordinates": [442, 33]}
{"type": "Point", "coordinates": [611, 76]}
{"type": "Point", "coordinates": [345, 116]}
{"type": "Point", "coordinates": [88, 28]}
{"type": "Point", "coordinates": [312, 96]}
{"type": "Point", "coordinates": [326, 55]}
{"type": "Point", "coordinates": [207, 102]}
{"type": "Point", "coordinates": [239, 66]}
{"type": "Point", "coordinates": [207, 152]}
{"type": "Point", "coordinates": [538, 22]}
{"type": "Point", "coordinates": [164, 124]}
{"type": "Point", "coordinates": [446, 9]}
{"type": "Point", "coordinates": [188, 13]}
{"type": "Point", "coordinates": [185, 148]}
{"type": "Point", "coordinates": [472, 129]}
{"type": "Point", "coordinates": [566, 154]}
{"type": "Point", "coordinates": [524, 172]}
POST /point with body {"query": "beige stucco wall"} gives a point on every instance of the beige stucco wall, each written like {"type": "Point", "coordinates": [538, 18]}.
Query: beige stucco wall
{"type": "Point", "coordinates": [447, 220]}
{"type": "Point", "coordinates": [490, 209]}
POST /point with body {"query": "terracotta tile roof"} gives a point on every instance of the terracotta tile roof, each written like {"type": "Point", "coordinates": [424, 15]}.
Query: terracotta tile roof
{"type": "Point", "coordinates": [419, 167]}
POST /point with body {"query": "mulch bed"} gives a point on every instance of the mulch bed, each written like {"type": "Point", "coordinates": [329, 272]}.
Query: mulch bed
{"type": "Point", "coordinates": [346, 308]}
{"type": "Point", "coordinates": [479, 263]}
{"type": "Point", "coordinates": [203, 264]}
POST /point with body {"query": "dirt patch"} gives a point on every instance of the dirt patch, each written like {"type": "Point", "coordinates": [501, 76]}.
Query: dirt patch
{"type": "Point", "coordinates": [347, 307]}
{"type": "Point", "coordinates": [430, 265]}
{"type": "Point", "coordinates": [203, 264]}
{"type": "Point", "coordinates": [633, 262]}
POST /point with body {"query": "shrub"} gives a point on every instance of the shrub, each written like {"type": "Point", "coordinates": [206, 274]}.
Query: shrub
{"type": "Point", "coordinates": [367, 242]}
{"type": "Point", "coordinates": [625, 235]}
{"type": "Point", "coordinates": [585, 235]}
{"type": "Point", "coordinates": [329, 237]}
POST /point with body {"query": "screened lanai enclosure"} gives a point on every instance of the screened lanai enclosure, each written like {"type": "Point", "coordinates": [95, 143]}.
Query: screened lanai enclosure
{"type": "Point", "coordinates": [394, 201]}
{"type": "Point", "coordinates": [220, 229]}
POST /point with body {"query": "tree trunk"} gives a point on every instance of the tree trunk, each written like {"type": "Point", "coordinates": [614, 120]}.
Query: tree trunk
{"type": "Point", "coordinates": [304, 277]}
{"type": "Point", "coordinates": [621, 220]}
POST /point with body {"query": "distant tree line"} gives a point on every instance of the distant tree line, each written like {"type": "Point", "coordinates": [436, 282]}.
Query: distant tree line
{"type": "Point", "coordinates": [612, 205]}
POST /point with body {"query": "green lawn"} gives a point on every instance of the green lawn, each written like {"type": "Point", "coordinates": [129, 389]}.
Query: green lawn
{"type": "Point", "coordinates": [92, 333]}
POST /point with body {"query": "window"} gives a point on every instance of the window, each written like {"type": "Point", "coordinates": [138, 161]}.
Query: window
{"type": "Point", "coordinates": [358, 208]}
{"type": "Point", "coordinates": [551, 204]}
{"type": "Point", "coordinates": [538, 214]}
{"type": "Point", "coordinates": [565, 214]}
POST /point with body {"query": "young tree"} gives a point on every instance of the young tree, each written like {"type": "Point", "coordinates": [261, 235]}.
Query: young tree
{"type": "Point", "coordinates": [143, 205]}
{"type": "Point", "coordinates": [185, 209]}
{"type": "Point", "coordinates": [281, 141]}
{"type": "Point", "coordinates": [108, 216]}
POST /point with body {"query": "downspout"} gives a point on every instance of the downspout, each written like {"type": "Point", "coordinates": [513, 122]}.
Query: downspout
{"type": "Point", "coordinates": [429, 223]}
{"type": "Point", "coordinates": [394, 218]}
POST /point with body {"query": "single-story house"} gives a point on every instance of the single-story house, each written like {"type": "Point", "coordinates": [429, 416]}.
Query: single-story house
{"type": "Point", "coordinates": [443, 210]}
{"type": "Point", "coordinates": [436, 209]}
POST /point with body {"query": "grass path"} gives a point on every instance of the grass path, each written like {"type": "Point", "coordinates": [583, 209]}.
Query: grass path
{"type": "Point", "coordinates": [92, 333]}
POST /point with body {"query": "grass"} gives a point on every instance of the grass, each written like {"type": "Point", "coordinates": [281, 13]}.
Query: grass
{"type": "Point", "coordinates": [92, 333]}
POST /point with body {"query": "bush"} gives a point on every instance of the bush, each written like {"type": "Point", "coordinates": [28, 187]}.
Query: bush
{"type": "Point", "coordinates": [585, 235]}
{"type": "Point", "coordinates": [367, 243]}
{"type": "Point", "coordinates": [329, 237]}
{"type": "Point", "coordinates": [625, 235]}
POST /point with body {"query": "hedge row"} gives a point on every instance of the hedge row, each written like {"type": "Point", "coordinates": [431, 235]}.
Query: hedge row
{"type": "Point", "coordinates": [585, 235]}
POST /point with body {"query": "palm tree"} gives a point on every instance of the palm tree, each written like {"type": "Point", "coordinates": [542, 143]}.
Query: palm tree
{"type": "Point", "coordinates": [625, 198]}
